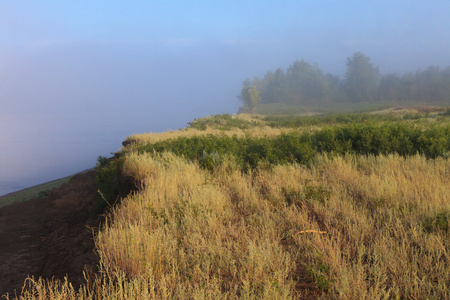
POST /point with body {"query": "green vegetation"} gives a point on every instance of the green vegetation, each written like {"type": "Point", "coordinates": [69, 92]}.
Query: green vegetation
{"type": "Point", "coordinates": [335, 206]}
{"type": "Point", "coordinates": [353, 137]}
{"type": "Point", "coordinates": [222, 122]}
{"type": "Point", "coordinates": [250, 96]}
{"type": "Point", "coordinates": [328, 119]}
{"type": "Point", "coordinates": [106, 179]}
{"type": "Point", "coordinates": [38, 191]}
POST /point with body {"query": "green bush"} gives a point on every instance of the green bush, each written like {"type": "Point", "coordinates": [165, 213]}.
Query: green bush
{"type": "Point", "coordinates": [326, 119]}
{"type": "Point", "coordinates": [106, 179]}
{"type": "Point", "coordinates": [223, 122]}
{"type": "Point", "coordinates": [355, 138]}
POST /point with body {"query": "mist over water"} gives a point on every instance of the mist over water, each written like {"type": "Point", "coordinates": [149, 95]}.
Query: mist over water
{"type": "Point", "coordinates": [32, 153]}
{"type": "Point", "coordinates": [65, 111]}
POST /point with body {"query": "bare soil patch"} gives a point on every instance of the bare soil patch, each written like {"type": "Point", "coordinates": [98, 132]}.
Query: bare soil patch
{"type": "Point", "coordinates": [50, 236]}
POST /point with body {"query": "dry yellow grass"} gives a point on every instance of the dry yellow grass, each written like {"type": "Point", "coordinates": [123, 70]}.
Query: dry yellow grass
{"type": "Point", "coordinates": [187, 233]}
{"type": "Point", "coordinates": [192, 234]}
{"type": "Point", "coordinates": [264, 131]}
{"type": "Point", "coordinates": [377, 246]}
{"type": "Point", "coordinates": [260, 130]}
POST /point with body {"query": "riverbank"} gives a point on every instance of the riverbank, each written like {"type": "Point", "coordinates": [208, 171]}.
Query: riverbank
{"type": "Point", "coordinates": [35, 191]}
{"type": "Point", "coordinates": [51, 236]}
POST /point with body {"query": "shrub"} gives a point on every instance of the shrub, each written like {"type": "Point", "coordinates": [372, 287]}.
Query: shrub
{"type": "Point", "coordinates": [365, 139]}
{"type": "Point", "coordinates": [224, 122]}
{"type": "Point", "coordinates": [106, 179]}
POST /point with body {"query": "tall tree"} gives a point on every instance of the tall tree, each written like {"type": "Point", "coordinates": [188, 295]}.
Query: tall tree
{"type": "Point", "coordinates": [361, 78]}
{"type": "Point", "coordinates": [250, 96]}
{"type": "Point", "coordinates": [306, 83]}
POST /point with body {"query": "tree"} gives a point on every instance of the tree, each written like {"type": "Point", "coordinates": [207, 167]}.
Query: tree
{"type": "Point", "coordinates": [361, 78]}
{"type": "Point", "coordinates": [390, 88]}
{"type": "Point", "coordinates": [250, 96]}
{"type": "Point", "coordinates": [274, 87]}
{"type": "Point", "coordinates": [306, 84]}
{"type": "Point", "coordinates": [431, 84]}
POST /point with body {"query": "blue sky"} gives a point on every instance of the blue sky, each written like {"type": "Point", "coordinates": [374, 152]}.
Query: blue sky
{"type": "Point", "coordinates": [77, 77]}
{"type": "Point", "coordinates": [418, 29]}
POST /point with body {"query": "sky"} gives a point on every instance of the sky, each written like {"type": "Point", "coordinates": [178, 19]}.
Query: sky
{"type": "Point", "coordinates": [78, 77]}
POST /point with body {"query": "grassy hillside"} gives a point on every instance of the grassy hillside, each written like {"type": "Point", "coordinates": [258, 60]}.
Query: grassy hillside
{"type": "Point", "coordinates": [333, 206]}
{"type": "Point", "coordinates": [36, 191]}
{"type": "Point", "coordinates": [32, 192]}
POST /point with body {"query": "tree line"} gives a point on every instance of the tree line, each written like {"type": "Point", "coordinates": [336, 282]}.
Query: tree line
{"type": "Point", "coordinates": [305, 84]}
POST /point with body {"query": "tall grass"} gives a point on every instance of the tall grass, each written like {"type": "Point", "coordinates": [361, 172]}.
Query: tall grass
{"type": "Point", "coordinates": [358, 227]}
{"type": "Point", "coordinates": [184, 231]}
{"type": "Point", "coordinates": [345, 226]}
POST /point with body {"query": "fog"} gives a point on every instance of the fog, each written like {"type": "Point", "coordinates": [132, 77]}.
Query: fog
{"type": "Point", "coordinates": [76, 79]}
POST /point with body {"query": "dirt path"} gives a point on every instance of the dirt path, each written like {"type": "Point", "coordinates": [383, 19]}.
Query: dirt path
{"type": "Point", "coordinates": [49, 236]}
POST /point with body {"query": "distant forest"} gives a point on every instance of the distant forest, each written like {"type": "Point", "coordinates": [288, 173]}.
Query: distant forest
{"type": "Point", "coordinates": [305, 84]}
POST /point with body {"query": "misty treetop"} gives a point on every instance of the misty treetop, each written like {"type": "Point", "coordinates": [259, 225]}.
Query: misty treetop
{"type": "Point", "coordinates": [305, 84]}
{"type": "Point", "coordinates": [361, 78]}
